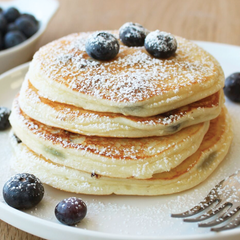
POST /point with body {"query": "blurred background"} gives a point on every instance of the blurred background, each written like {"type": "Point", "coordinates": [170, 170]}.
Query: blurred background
{"type": "Point", "coordinates": [206, 20]}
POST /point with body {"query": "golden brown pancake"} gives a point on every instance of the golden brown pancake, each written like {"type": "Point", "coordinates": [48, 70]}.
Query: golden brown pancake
{"type": "Point", "coordinates": [114, 157]}
{"type": "Point", "coordinates": [186, 175]}
{"type": "Point", "coordinates": [87, 122]}
{"type": "Point", "coordinates": [133, 83]}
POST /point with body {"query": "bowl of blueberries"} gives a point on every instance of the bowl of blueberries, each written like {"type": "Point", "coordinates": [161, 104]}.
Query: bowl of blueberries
{"type": "Point", "coordinates": [22, 23]}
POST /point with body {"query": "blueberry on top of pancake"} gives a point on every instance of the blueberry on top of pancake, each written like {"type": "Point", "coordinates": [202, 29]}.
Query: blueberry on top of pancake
{"type": "Point", "coordinates": [161, 44]}
{"type": "Point", "coordinates": [132, 34]}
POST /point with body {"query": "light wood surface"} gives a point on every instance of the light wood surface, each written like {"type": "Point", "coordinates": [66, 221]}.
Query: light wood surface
{"type": "Point", "coordinates": [206, 20]}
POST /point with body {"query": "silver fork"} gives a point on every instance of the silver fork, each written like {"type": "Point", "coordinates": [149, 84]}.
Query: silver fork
{"type": "Point", "coordinates": [224, 199]}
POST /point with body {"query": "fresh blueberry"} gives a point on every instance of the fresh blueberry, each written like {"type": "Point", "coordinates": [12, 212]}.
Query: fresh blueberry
{"type": "Point", "coordinates": [71, 211]}
{"type": "Point", "coordinates": [13, 38]}
{"type": "Point", "coordinates": [11, 14]}
{"type": "Point", "coordinates": [102, 46]}
{"type": "Point", "coordinates": [160, 44]}
{"type": "Point", "coordinates": [4, 115]}
{"type": "Point", "coordinates": [27, 26]}
{"type": "Point", "coordinates": [30, 16]}
{"type": "Point", "coordinates": [3, 24]}
{"type": "Point", "coordinates": [23, 191]}
{"type": "Point", "coordinates": [232, 87]}
{"type": "Point", "coordinates": [12, 27]}
{"type": "Point", "coordinates": [132, 34]}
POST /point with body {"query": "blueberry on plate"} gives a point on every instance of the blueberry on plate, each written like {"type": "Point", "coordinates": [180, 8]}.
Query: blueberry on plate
{"type": "Point", "coordinates": [232, 87]}
{"type": "Point", "coordinates": [71, 211]}
{"type": "Point", "coordinates": [4, 115]}
{"type": "Point", "coordinates": [13, 38]}
{"type": "Point", "coordinates": [11, 14]}
{"type": "Point", "coordinates": [132, 34]}
{"type": "Point", "coordinates": [23, 191]}
{"type": "Point", "coordinates": [27, 26]}
{"type": "Point", "coordinates": [160, 44]}
{"type": "Point", "coordinates": [102, 46]}
{"type": "Point", "coordinates": [3, 24]}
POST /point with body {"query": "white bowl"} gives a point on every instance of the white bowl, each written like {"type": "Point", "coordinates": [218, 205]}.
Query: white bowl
{"type": "Point", "coordinates": [43, 10]}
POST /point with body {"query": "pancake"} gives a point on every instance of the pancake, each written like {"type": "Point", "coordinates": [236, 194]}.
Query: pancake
{"type": "Point", "coordinates": [114, 157]}
{"type": "Point", "coordinates": [87, 122]}
{"type": "Point", "coordinates": [134, 83]}
{"type": "Point", "coordinates": [188, 174]}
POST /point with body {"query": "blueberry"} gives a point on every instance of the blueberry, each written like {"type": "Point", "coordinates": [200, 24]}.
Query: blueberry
{"type": "Point", "coordinates": [4, 115]}
{"type": "Point", "coordinates": [11, 14]}
{"type": "Point", "coordinates": [23, 191]}
{"type": "Point", "coordinates": [232, 87]}
{"type": "Point", "coordinates": [3, 24]}
{"type": "Point", "coordinates": [102, 46]}
{"type": "Point", "coordinates": [27, 26]}
{"type": "Point", "coordinates": [71, 211]}
{"type": "Point", "coordinates": [30, 16]}
{"type": "Point", "coordinates": [13, 38]}
{"type": "Point", "coordinates": [160, 44]}
{"type": "Point", "coordinates": [132, 34]}
{"type": "Point", "coordinates": [12, 27]}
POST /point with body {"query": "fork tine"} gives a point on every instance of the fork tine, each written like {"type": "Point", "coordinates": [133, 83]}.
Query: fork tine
{"type": "Point", "coordinates": [208, 214]}
{"type": "Point", "coordinates": [211, 198]}
{"type": "Point", "coordinates": [231, 225]}
{"type": "Point", "coordinates": [205, 203]}
{"type": "Point", "coordinates": [225, 216]}
{"type": "Point", "coordinates": [225, 193]}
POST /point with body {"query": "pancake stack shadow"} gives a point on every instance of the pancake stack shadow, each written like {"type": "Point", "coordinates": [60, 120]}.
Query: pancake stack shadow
{"type": "Point", "coordinates": [134, 125]}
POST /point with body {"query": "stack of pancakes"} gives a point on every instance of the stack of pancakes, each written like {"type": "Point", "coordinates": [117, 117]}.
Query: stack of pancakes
{"type": "Point", "coordinates": [135, 125]}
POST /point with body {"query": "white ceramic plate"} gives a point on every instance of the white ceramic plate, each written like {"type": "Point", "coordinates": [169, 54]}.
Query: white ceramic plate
{"type": "Point", "coordinates": [122, 217]}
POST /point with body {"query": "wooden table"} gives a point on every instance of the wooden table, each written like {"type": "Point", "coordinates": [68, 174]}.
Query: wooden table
{"type": "Point", "coordinates": [206, 20]}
